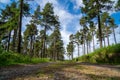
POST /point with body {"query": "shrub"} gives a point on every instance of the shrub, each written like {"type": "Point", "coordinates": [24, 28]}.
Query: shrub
{"type": "Point", "coordinates": [11, 58]}
{"type": "Point", "coordinates": [110, 54]}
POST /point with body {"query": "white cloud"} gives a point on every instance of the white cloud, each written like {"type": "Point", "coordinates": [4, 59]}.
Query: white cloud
{"type": "Point", "coordinates": [67, 20]}
{"type": "Point", "coordinates": [4, 1]}
{"type": "Point", "coordinates": [78, 4]}
{"type": "Point", "coordinates": [43, 2]}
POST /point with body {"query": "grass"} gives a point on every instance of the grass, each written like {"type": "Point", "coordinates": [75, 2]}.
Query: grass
{"type": "Point", "coordinates": [39, 60]}
{"type": "Point", "coordinates": [110, 55]}
{"type": "Point", "coordinates": [11, 58]}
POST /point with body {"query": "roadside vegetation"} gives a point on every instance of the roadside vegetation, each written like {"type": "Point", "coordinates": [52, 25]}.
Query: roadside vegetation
{"type": "Point", "coordinates": [12, 58]}
{"type": "Point", "coordinates": [110, 55]}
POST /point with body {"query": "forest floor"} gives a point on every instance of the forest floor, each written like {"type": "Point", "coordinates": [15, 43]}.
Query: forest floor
{"type": "Point", "coordinates": [61, 71]}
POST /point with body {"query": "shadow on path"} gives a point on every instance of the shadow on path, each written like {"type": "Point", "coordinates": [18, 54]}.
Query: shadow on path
{"type": "Point", "coordinates": [10, 73]}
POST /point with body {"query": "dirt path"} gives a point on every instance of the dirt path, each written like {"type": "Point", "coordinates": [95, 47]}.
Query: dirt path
{"type": "Point", "coordinates": [11, 72]}
{"type": "Point", "coordinates": [61, 71]}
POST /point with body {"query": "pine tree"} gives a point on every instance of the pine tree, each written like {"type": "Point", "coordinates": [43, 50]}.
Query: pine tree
{"type": "Point", "coordinates": [113, 26]}
{"type": "Point", "coordinates": [83, 23]}
{"type": "Point", "coordinates": [30, 34]}
{"type": "Point", "coordinates": [94, 11]}
{"type": "Point", "coordinates": [56, 43]}
{"type": "Point", "coordinates": [92, 30]}
{"type": "Point", "coordinates": [70, 49]}
{"type": "Point", "coordinates": [23, 9]}
{"type": "Point", "coordinates": [9, 17]}
{"type": "Point", "coordinates": [77, 41]}
{"type": "Point", "coordinates": [47, 21]}
{"type": "Point", "coordinates": [20, 27]}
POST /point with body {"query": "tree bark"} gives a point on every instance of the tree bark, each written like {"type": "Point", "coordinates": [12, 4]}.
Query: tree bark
{"type": "Point", "coordinates": [78, 50]}
{"type": "Point", "coordinates": [104, 40]}
{"type": "Point", "coordinates": [42, 50]}
{"type": "Point", "coordinates": [100, 32]}
{"type": "Point", "coordinates": [114, 35]}
{"type": "Point", "coordinates": [54, 51]}
{"type": "Point", "coordinates": [34, 53]}
{"type": "Point", "coordinates": [44, 44]}
{"type": "Point", "coordinates": [99, 26]}
{"type": "Point", "coordinates": [9, 37]}
{"type": "Point", "coordinates": [72, 51]}
{"type": "Point", "coordinates": [107, 36]}
{"type": "Point", "coordinates": [87, 46]}
{"type": "Point", "coordinates": [93, 43]}
{"type": "Point", "coordinates": [84, 48]}
{"type": "Point", "coordinates": [20, 27]}
{"type": "Point", "coordinates": [108, 39]}
{"type": "Point", "coordinates": [72, 55]}
{"type": "Point", "coordinates": [14, 40]}
{"type": "Point", "coordinates": [31, 46]}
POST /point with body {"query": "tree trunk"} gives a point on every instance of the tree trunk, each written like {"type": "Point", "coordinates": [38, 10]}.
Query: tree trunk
{"type": "Point", "coordinates": [44, 44]}
{"type": "Point", "coordinates": [104, 40]}
{"type": "Point", "coordinates": [31, 47]}
{"type": "Point", "coordinates": [25, 47]}
{"type": "Point", "coordinates": [9, 37]}
{"type": "Point", "coordinates": [14, 40]}
{"type": "Point", "coordinates": [100, 32]}
{"type": "Point", "coordinates": [108, 40]}
{"type": "Point", "coordinates": [84, 48]}
{"type": "Point", "coordinates": [107, 37]}
{"type": "Point", "coordinates": [87, 46]}
{"type": "Point", "coordinates": [72, 51]}
{"type": "Point", "coordinates": [42, 48]}
{"type": "Point", "coordinates": [69, 57]}
{"type": "Point", "coordinates": [20, 27]}
{"type": "Point", "coordinates": [99, 26]}
{"type": "Point", "coordinates": [54, 52]}
{"type": "Point", "coordinates": [78, 50]}
{"type": "Point", "coordinates": [114, 35]}
{"type": "Point", "coordinates": [57, 55]}
{"type": "Point", "coordinates": [93, 43]}
{"type": "Point", "coordinates": [34, 53]}
{"type": "Point", "coordinates": [72, 55]}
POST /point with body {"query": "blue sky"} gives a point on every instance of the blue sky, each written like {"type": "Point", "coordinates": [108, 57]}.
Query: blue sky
{"type": "Point", "coordinates": [116, 17]}
{"type": "Point", "coordinates": [69, 14]}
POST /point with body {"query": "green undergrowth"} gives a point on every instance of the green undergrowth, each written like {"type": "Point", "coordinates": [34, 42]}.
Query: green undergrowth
{"type": "Point", "coordinates": [110, 55]}
{"type": "Point", "coordinates": [11, 58]}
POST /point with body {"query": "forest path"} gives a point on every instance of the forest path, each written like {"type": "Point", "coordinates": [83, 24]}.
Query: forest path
{"type": "Point", "coordinates": [61, 71]}
{"type": "Point", "coordinates": [11, 72]}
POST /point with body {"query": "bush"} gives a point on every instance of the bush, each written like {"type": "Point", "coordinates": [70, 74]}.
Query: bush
{"type": "Point", "coordinates": [110, 54]}
{"type": "Point", "coordinates": [11, 58]}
